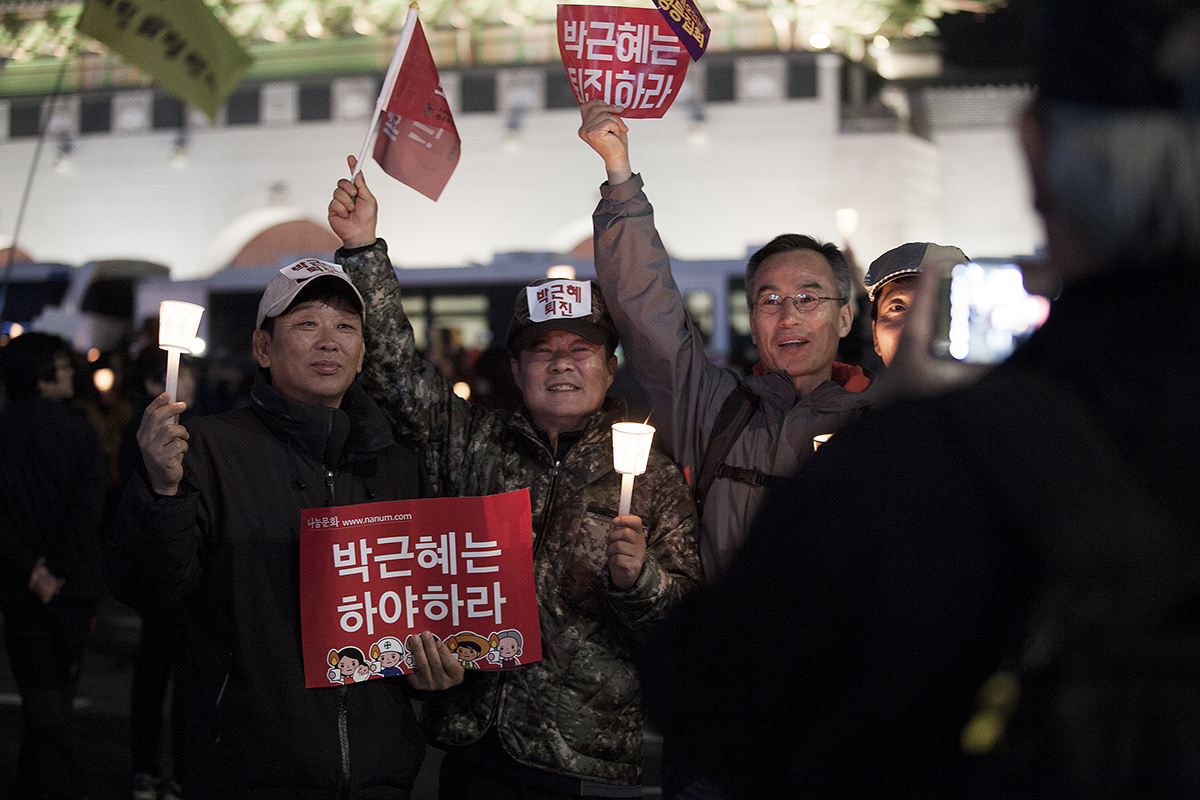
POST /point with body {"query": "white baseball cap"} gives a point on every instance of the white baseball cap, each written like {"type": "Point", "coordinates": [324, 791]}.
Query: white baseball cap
{"type": "Point", "coordinates": [284, 287]}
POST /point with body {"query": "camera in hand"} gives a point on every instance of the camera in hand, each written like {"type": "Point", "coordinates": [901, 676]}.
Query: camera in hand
{"type": "Point", "coordinates": [984, 313]}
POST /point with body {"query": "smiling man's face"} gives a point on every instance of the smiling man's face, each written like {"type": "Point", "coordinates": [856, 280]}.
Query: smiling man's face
{"type": "Point", "coordinates": [314, 353]}
{"type": "Point", "coordinates": [802, 344]}
{"type": "Point", "coordinates": [563, 377]}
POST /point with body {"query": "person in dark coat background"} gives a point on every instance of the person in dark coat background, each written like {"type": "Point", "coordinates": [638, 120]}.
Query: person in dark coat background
{"type": "Point", "coordinates": [52, 482]}
{"type": "Point", "coordinates": [161, 658]}
{"type": "Point", "coordinates": [1033, 530]}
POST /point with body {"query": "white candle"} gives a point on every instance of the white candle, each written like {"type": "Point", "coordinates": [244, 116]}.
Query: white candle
{"type": "Point", "coordinates": [626, 493]}
{"type": "Point", "coordinates": [177, 326]}
{"type": "Point", "coordinates": [631, 451]}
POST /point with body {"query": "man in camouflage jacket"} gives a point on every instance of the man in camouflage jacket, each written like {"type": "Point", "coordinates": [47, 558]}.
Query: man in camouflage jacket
{"type": "Point", "coordinates": [571, 723]}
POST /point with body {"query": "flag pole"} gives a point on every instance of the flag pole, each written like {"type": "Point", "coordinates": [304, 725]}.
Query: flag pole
{"type": "Point", "coordinates": [389, 82]}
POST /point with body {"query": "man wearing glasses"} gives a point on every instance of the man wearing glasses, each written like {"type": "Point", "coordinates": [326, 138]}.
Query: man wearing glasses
{"type": "Point", "coordinates": [798, 291]}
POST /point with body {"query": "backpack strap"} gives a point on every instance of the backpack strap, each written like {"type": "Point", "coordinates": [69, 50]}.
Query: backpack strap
{"type": "Point", "coordinates": [731, 421]}
{"type": "Point", "coordinates": [747, 475]}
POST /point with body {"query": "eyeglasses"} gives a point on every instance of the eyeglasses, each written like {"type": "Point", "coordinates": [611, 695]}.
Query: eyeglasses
{"type": "Point", "coordinates": [772, 303]}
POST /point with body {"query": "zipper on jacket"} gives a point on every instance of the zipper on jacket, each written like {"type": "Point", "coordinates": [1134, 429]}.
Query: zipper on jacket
{"type": "Point", "coordinates": [545, 520]}
{"type": "Point", "coordinates": [221, 698]}
{"type": "Point", "coordinates": [343, 727]}
{"type": "Point", "coordinates": [502, 678]}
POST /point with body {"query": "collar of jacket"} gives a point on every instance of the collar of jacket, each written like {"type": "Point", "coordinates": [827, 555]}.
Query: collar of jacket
{"type": "Point", "coordinates": [332, 436]}
{"type": "Point", "coordinates": [777, 386]}
{"type": "Point", "coordinates": [850, 377]}
{"type": "Point", "coordinates": [596, 425]}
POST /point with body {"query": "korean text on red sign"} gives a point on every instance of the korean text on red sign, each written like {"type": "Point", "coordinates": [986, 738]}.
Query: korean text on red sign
{"type": "Point", "coordinates": [372, 575]}
{"type": "Point", "coordinates": [629, 57]}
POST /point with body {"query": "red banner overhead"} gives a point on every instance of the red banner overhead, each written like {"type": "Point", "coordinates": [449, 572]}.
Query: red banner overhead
{"type": "Point", "coordinates": [629, 57]}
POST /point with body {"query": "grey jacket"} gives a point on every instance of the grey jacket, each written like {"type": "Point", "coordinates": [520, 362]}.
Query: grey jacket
{"type": "Point", "coordinates": [667, 357]}
{"type": "Point", "coordinates": [577, 711]}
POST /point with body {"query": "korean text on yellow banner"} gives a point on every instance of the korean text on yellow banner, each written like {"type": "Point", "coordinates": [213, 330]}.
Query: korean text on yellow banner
{"type": "Point", "coordinates": [178, 42]}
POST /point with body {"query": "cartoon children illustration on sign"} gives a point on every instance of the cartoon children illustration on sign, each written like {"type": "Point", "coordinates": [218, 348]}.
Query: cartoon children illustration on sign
{"type": "Point", "coordinates": [348, 666]}
{"type": "Point", "coordinates": [386, 657]}
{"type": "Point", "coordinates": [471, 648]}
{"type": "Point", "coordinates": [508, 647]}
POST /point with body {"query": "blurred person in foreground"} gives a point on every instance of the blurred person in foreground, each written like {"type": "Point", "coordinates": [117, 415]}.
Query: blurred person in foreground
{"type": "Point", "coordinates": [212, 522]}
{"type": "Point", "coordinates": [52, 482]}
{"type": "Point", "coordinates": [1005, 604]}
{"type": "Point", "coordinates": [569, 725]}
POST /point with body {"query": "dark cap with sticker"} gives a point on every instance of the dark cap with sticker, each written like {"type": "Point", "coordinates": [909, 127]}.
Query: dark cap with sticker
{"type": "Point", "coordinates": [553, 304]}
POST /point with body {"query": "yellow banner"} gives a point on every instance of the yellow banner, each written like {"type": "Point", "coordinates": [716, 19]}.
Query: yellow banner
{"type": "Point", "coordinates": [178, 42]}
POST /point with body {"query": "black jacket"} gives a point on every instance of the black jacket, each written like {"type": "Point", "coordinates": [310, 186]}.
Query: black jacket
{"type": "Point", "coordinates": [227, 546]}
{"type": "Point", "coordinates": [52, 475]}
{"type": "Point", "coordinates": [843, 654]}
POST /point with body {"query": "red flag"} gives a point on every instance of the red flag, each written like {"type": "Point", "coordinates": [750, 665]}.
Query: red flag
{"type": "Point", "coordinates": [418, 144]}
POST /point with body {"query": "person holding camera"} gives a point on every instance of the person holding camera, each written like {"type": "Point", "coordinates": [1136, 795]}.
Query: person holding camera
{"type": "Point", "coordinates": [1003, 604]}
{"type": "Point", "coordinates": [891, 284]}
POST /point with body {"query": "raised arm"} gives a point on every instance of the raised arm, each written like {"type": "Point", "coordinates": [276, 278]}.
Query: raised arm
{"type": "Point", "coordinates": [153, 549]}
{"type": "Point", "coordinates": [353, 211]}
{"type": "Point", "coordinates": [163, 442]}
{"type": "Point", "coordinates": [665, 352]}
{"type": "Point", "coordinates": [419, 402]}
{"type": "Point", "coordinates": [607, 134]}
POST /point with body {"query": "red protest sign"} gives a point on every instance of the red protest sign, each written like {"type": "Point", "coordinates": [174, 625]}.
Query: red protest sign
{"type": "Point", "coordinates": [418, 143]}
{"type": "Point", "coordinates": [371, 575]}
{"type": "Point", "coordinates": [626, 56]}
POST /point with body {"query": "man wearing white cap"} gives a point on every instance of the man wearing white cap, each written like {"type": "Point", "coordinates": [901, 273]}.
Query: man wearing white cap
{"type": "Point", "coordinates": [569, 725]}
{"type": "Point", "coordinates": [213, 522]}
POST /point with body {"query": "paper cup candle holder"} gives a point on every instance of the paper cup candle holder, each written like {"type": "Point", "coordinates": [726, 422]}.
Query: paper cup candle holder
{"type": "Point", "coordinates": [177, 326]}
{"type": "Point", "coordinates": [631, 451]}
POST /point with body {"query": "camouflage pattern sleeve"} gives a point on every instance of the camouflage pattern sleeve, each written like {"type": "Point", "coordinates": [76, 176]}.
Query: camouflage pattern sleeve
{"type": "Point", "coordinates": [672, 566]}
{"type": "Point", "coordinates": [419, 402]}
